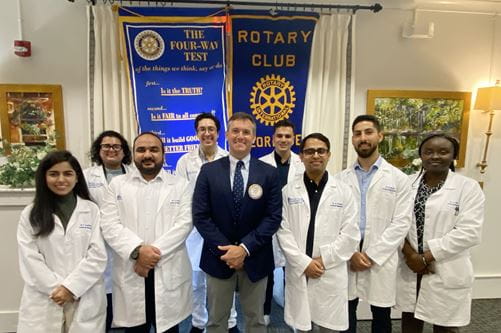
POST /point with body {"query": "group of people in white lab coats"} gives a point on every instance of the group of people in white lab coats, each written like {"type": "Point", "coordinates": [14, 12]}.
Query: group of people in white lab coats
{"type": "Point", "coordinates": [369, 232]}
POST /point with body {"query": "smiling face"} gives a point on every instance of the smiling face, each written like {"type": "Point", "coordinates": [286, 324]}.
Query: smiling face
{"type": "Point", "coordinates": [207, 134]}
{"type": "Point", "coordinates": [315, 156]}
{"type": "Point", "coordinates": [61, 178]}
{"type": "Point", "coordinates": [148, 155]}
{"type": "Point", "coordinates": [240, 135]}
{"type": "Point", "coordinates": [366, 138]}
{"type": "Point", "coordinates": [437, 155]}
{"type": "Point", "coordinates": [283, 139]}
{"type": "Point", "coordinates": [111, 152]}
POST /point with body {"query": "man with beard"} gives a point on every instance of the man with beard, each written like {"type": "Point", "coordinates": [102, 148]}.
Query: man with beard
{"type": "Point", "coordinates": [383, 197]}
{"type": "Point", "coordinates": [146, 218]}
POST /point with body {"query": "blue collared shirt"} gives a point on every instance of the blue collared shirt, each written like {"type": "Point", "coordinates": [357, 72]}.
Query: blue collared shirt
{"type": "Point", "coordinates": [364, 180]}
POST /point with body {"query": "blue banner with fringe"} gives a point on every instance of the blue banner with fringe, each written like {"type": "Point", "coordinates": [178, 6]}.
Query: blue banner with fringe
{"type": "Point", "coordinates": [270, 63]}
{"type": "Point", "coordinates": [177, 70]}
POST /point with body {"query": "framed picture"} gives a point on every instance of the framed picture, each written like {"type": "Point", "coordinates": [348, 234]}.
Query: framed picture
{"type": "Point", "coordinates": [31, 115]}
{"type": "Point", "coordinates": [409, 116]}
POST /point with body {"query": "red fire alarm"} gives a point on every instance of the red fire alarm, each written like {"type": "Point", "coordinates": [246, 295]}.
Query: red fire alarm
{"type": "Point", "coordinates": [22, 48]}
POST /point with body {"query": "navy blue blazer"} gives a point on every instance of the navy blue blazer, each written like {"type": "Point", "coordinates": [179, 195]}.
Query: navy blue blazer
{"type": "Point", "coordinates": [214, 217]}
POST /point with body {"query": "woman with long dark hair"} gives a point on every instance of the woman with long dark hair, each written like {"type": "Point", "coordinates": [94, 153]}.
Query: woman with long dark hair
{"type": "Point", "coordinates": [436, 273]}
{"type": "Point", "coordinates": [61, 252]}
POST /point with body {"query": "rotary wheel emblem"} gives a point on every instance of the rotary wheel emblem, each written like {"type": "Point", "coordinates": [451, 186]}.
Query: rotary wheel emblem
{"type": "Point", "coordinates": [272, 99]}
{"type": "Point", "coordinates": [149, 45]}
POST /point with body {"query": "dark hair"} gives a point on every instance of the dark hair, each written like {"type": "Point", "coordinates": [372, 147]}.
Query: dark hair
{"type": "Point", "coordinates": [453, 141]}
{"type": "Point", "coordinates": [318, 136]}
{"type": "Point", "coordinates": [150, 133]}
{"type": "Point", "coordinates": [283, 123]}
{"type": "Point", "coordinates": [367, 117]}
{"type": "Point", "coordinates": [243, 116]}
{"type": "Point", "coordinates": [44, 203]}
{"type": "Point", "coordinates": [96, 147]}
{"type": "Point", "coordinates": [207, 115]}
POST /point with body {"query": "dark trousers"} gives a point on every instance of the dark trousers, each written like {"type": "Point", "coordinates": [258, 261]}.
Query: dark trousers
{"type": "Point", "coordinates": [414, 325]}
{"type": "Point", "coordinates": [268, 295]}
{"type": "Point", "coordinates": [381, 319]}
{"type": "Point", "coordinates": [109, 312]}
{"type": "Point", "coordinates": [149, 295]}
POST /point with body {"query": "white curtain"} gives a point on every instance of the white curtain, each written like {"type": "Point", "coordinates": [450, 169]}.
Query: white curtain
{"type": "Point", "coordinates": [112, 107]}
{"type": "Point", "coordinates": [327, 95]}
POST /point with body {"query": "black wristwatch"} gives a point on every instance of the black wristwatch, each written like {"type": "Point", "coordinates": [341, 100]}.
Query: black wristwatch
{"type": "Point", "coordinates": [135, 253]}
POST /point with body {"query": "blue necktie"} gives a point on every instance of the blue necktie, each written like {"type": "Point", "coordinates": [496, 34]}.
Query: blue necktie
{"type": "Point", "coordinates": [238, 188]}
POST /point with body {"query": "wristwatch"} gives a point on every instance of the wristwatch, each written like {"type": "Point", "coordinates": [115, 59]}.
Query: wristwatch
{"type": "Point", "coordinates": [135, 253]}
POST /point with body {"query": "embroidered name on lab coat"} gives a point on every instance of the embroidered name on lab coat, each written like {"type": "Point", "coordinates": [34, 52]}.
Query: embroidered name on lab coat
{"type": "Point", "coordinates": [95, 184]}
{"type": "Point", "coordinates": [454, 206]}
{"type": "Point", "coordinates": [295, 201]}
{"type": "Point", "coordinates": [336, 204]}
{"type": "Point", "coordinates": [389, 188]}
{"type": "Point", "coordinates": [85, 226]}
{"type": "Point", "coordinates": [175, 202]}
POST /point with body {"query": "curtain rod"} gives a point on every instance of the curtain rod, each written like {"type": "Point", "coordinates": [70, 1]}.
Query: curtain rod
{"type": "Point", "coordinates": [374, 8]}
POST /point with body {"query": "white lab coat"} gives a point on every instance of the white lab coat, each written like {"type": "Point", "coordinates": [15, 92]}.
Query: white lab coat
{"type": "Point", "coordinates": [120, 226]}
{"type": "Point", "coordinates": [98, 185]}
{"type": "Point", "coordinates": [453, 223]}
{"type": "Point", "coordinates": [388, 219]}
{"type": "Point", "coordinates": [323, 301]}
{"type": "Point", "coordinates": [296, 170]}
{"type": "Point", "coordinates": [188, 167]}
{"type": "Point", "coordinates": [76, 259]}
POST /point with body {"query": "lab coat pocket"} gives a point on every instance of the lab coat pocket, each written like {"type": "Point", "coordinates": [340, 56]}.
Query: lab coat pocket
{"type": "Point", "coordinates": [176, 271]}
{"type": "Point", "coordinates": [37, 308]}
{"type": "Point", "coordinates": [456, 272]}
{"type": "Point", "coordinates": [92, 304]}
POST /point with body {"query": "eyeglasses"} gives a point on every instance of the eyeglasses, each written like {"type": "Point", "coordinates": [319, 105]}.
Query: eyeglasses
{"type": "Point", "coordinates": [209, 129]}
{"type": "Point", "coordinates": [312, 151]}
{"type": "Point", "coordinates": [110, 147]}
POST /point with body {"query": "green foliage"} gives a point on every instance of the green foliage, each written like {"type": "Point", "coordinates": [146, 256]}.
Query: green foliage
{"type": "Point", "coordinates": [406, 121]}
{"type": "Point", "coordinates": [19, 171]}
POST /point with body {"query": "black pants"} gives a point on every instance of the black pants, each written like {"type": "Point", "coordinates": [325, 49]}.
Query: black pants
{"type": "Point", "coordinates": [269, 295]}
{"type": "Point", "coordinates": [414, 325]}
{"type": "Point", "coordinates": [381, 319]}
{"type": "Point", "coordinates": [149, 296]}
{"type": "Point", "coordinates": [109, 312]}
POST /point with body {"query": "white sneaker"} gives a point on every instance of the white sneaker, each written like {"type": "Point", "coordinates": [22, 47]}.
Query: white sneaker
{"type": "Point", "coordinates": [266, 320]}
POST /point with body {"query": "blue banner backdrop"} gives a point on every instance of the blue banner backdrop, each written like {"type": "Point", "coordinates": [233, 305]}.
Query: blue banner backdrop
{"type": "Point", "coordinates": [176, 66]}
{"type": "Point", "coordinates": [270, 62]}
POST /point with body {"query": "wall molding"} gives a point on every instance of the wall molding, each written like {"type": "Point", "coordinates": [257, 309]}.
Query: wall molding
{"type": "Point", "coordinates": [16, 197]}
{"type": "Point", "coordinates": [8, 321]}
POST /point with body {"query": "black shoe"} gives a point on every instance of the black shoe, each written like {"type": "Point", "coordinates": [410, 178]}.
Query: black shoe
{"type": "Point", "coordinates": [234, 329]}
{"type": "Point", "coordinates": [196, 330]}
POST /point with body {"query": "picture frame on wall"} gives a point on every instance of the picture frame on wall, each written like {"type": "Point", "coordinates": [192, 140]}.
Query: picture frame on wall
{"type": "Point", "coordinates": [31, 115]}
{"type": "Point", "coordinates": [408, 116]}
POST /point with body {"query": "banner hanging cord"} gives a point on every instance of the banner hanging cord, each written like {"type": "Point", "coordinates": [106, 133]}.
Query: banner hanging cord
{"type": "Point", "coordinates": [292, 6]}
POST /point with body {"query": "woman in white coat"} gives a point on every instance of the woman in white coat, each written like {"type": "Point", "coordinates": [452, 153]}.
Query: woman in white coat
{"type": "Point", "coordinates": [436, 275]}
{"type": "Point", "coordinates": [112, 157]}
{"type": "Point", "coordinates": [61, 253]}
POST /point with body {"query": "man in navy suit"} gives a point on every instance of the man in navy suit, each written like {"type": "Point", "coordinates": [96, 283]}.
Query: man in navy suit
{"type": "Point", "coordinates": [237, 207]}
